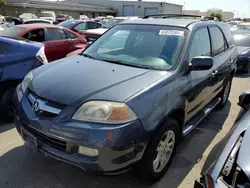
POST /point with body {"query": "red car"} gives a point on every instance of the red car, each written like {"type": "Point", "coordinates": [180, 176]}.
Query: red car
{"type": "Point", "coordinates": [58, 41]}
{"type": "Point", "coordinates": [80, 25]}
{"type": "Point", "coordinates": [62, 17]}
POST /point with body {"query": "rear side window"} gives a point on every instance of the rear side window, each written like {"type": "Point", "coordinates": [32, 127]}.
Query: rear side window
{"type": "Point", "coordinates": [3, 48]}
{"type": "Point", "coordinates": [218, 40]}
{"type": "Point", "coordinates": [57, 34]}
{"type": "Point", "coordinates": [92, 25]}
{"type": "Point", "coordinates": [200, 44]}
{"type": "Point", "coordinates": [70, 35]}
{"type": "Point", "coordinates": [228, 34]}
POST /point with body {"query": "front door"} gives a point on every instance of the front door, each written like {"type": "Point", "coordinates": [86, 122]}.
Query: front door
{"type": "Point", "coordinates": [197, 97]}
{"type": "Point", "coordinates": [58, 44]}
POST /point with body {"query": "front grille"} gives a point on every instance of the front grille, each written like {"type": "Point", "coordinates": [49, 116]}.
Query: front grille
{"type": "Point", "coordinates": [45, 108]}
{"type": "Point", "coordinates": [53, 142]}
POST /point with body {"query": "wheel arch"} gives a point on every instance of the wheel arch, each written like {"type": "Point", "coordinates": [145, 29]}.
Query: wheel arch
{"type": "Point", "coordinates": [178, 114]}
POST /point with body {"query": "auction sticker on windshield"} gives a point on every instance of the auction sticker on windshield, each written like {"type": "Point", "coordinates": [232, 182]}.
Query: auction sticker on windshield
{"type": "Point", "coordinates": [171, 32]}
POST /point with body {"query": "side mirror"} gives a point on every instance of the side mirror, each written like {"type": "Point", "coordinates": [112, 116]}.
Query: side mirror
{"type": "Point", "coordinates": [75, 30]}
{"type": "Point", "coordinates": [200, 63]}
{"type": "Point", "coordinates": [244, 100]}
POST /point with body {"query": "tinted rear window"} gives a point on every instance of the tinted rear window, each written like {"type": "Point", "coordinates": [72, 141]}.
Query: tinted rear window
{"type": "Point", "coordinates": [12, 31]}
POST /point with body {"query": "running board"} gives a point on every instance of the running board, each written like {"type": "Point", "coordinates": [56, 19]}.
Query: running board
{"type": "Point", "coordinates": [200, 116]}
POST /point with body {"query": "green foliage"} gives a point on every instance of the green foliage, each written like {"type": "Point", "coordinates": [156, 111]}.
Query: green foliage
{"type": "Point", "coordinates": [2, 3]}
{"type": "Point", "coordinates": [217, 15]}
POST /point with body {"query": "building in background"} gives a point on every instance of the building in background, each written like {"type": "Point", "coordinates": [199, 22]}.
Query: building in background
{"type": "Point", "coordinates": [226, 15]}
{"type": "Point", "coordinates": [91, 8]}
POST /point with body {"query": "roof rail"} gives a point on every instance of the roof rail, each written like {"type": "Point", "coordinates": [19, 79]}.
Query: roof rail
{"type": "Point", "coordinates": [164, 16]}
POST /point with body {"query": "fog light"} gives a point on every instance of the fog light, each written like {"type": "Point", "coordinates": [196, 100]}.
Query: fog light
{"type": "Point", "coordinates": [88, 151]}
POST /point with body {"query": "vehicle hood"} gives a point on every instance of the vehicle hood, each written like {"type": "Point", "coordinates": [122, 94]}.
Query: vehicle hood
{"type": "Point", "coordinates": [243, 49]}
{"type": "Point", "coordinates": [76, 79]}
{"type": "Point", "coordinates": [98, 31]}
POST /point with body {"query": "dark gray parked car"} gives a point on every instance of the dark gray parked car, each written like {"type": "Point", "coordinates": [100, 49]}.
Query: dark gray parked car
{"type": "Point", "coordinates": [228, 164]}
{"type": "Point", "coordinates": [129, 96]}
{"type": "Point", "coordinates": [242, 41]}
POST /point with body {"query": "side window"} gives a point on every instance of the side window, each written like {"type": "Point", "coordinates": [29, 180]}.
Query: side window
{"type": "Point", "coordinates": [35, 35]}
{"type": "Point", "coordinates": [92, 25]}
{"type": "Point", "coordinates": [57, 34]}
{"type": "Point", "coordinates": [200, 44]}
{"type": "Point", "coordinates": [3, 48]}
{"type": "Point", "coordinates": [81, 26]}
{"type": "Point", "coordinates": [218, 41]}
{"type": "Point", "coordinates": [70, 35]}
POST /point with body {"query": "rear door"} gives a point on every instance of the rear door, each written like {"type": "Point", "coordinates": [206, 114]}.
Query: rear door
{"type": "Point", "coordinates": [197, 96]}
{"type": "Point", "coordinates": [73, 41]}
{"type": "Point", "coordinates": [57, 43]}
{"type": "Point", "coordinates": [222, 56]}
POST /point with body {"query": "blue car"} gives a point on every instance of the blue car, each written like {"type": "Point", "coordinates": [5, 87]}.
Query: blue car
{"type": "Point", "coordinates": [17, 58]}
{"type": "Point", "coordinates": [129, 97]}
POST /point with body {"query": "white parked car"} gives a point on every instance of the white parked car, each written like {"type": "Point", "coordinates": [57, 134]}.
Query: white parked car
{"type": "Point", "coordinates": [48, 15]}
{"type": "Point", "coordinates": [28, 16]}
{"type": "Point", "coordinates": [84, 17]}
{"type": "Point", "coordinates": [2, 19]}
{"type": "Point", "coordinates": [35, 21]}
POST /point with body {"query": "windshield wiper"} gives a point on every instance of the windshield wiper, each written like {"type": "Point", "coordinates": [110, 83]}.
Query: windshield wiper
{"type": "Point", "coordinates": [122, 63]}
{"type": "Point", "coordinates": [87, 55]}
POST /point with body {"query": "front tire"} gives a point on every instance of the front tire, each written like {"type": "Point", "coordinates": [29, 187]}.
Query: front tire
{"type": "Point", "coordinates": [160, 151]}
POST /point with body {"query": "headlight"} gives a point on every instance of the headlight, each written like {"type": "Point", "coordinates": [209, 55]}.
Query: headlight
{"type": "Point", "coordinates": [26, 81]}
{"type": "Point", "coordinates": [104, 112]}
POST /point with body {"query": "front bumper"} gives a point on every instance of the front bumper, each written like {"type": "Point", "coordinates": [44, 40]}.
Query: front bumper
{"type": "Point", "coordinates": [118, 146]}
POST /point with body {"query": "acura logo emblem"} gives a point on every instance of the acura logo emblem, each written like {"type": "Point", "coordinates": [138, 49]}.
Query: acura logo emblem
{"type": "Point", "coordinates": [36, 106]}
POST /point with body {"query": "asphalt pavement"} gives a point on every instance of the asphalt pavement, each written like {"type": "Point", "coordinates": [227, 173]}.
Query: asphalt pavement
{"type": "Point", "coordinates": [22, 167]}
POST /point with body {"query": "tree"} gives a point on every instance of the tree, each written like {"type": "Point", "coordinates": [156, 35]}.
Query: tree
{"type": "Point", "coordinates": [217, 15]}
{"type": "Point", "coordinates": [2, 3]}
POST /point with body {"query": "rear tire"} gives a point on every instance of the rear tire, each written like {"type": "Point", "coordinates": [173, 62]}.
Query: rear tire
{"type": "Point", "coordinates": [6, 105]}
{"type": "Point", "coordinates": [160, 151]}
{"type": "Point", "coordinates": [224, 94]}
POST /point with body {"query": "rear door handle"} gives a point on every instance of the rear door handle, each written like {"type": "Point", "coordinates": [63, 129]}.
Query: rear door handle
{"type": "Point", "coordinates": [214, 72]}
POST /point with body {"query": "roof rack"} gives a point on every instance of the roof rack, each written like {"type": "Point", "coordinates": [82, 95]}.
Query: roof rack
{"type": "Point", "coordinates": [164, 16]}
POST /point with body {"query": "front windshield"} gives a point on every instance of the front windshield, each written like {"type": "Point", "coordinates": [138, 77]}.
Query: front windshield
{"type": "Point", "coordinates": [112, 22]}
{"type": "Point", "coordinates": [12, 31]}
{"type": "Point", "coordinates": [45, 14]}
{"type": "Point", "coordinates": [242, 39]}
{"type": "Point", "coordinates": [67, 24]}
{"type": "Point", "coordinates": [144, 46]}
